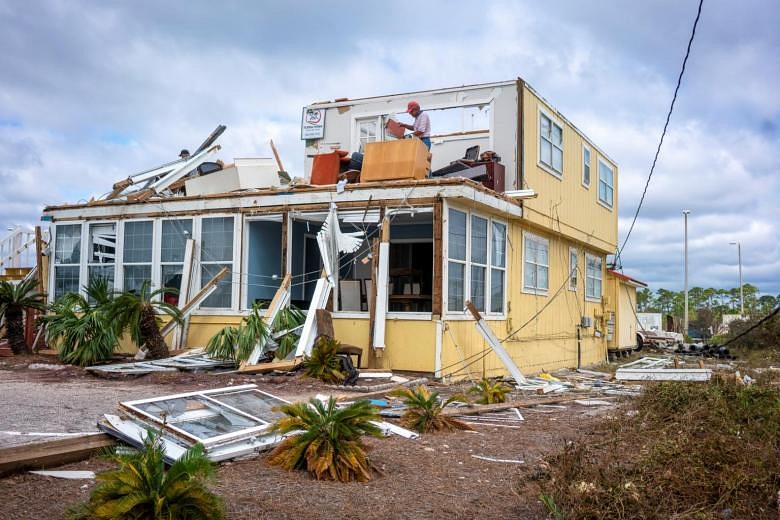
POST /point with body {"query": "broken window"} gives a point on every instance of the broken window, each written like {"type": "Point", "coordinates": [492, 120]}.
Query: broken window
{"type": "Point", "coordinates": [411, 261]}
{"type": "Point", "coordinates": [67, 258]}
{"type": "Point", "coordinates": [137, 254]}
{"type": "Point", "coordinates": [216, 252]}
{"type": "Point", "coordinates": [550, 143]}
{"type": "Point", "coordinates": [175, 233]}
{"type": "Point", "coordinates": [102, 252]}
{"type": "Point", "coordinates": [264, 268]}
{"type": "Point", "coordinates": [211, 417]}
{"type": "Point", "coordinates": [585, 166]}
{"type": "Point", "coordinates": [535, 264]}
{"type": "Point", "coordinates": [592, 277]}
{"type": "Point", "coordinates": [573, 268]}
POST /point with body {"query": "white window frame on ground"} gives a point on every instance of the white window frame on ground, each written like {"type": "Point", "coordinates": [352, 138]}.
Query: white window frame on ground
{"type": "Point", "coordinates": [607, 185]}
{"type": "Point", "coordinates": [68, 265]}
{"type": "Point", "coordinates": [547, 140]}
{"type": "Point", "coordinates": [469, 264]}
{"type": "Point", "coordinates": [586, 160]}
{"type": "Point", "coordinates": [594, 275]}
{"type": "Point", "coordinates": [574, 261]}
{"type": "Point", "coordinates": [539, 241]}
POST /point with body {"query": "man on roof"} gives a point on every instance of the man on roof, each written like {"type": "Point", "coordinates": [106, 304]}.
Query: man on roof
{"type": "Point", "coordinates": [422, 123]}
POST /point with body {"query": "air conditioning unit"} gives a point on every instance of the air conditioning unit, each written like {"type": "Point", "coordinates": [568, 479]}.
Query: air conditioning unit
{"type": "Point", "coordinates": [586, 322]}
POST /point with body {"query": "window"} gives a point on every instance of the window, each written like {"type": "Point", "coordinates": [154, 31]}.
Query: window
{"type": "Point", "coordinates": [550, 144]}
{"type": "Point", "coordinates": [585, 166]}
{"type": "Point", "coordinates": [476, 262]}
{"type": "Point", "coordinates": [606, 183]}
{"type": "Point", "coordinates": [592, 277]}
{"type": "Point", "coordinates": [456, 265]}
{"type": "Point", "coordinates": [67, 258]}
{"type": "Point", "coordinates": [175, 234]}
{"type": "Point", "coordinates": [479, 258]}
{"type": "Point", "coordinates": [367, 132]}
{"type": "Point", "coordinates": [216, 252]}
{"type": "Point", "coordinates": [102, 252]}
{"type": "Point", "coordinates": [573, 268]}
{"type": "Point", "coordinates": [535, 264]}
{"type": "Point", "coordinates": [497, 267]}
{"type": "Point", "coordinates": [137, 254]}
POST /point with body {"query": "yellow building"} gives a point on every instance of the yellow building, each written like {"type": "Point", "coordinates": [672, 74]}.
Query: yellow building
{"type": "Point", "coordinates": [530, 253]}
{"type": "Point", "coordinates": [620, 303]}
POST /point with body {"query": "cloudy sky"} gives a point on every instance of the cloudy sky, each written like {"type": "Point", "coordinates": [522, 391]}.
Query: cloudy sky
{"type": "Point", "coordinates": [93, 91]}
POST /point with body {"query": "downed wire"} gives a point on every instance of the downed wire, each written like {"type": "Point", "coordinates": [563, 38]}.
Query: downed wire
{"type": "Point", "coordinates": [754, 326]}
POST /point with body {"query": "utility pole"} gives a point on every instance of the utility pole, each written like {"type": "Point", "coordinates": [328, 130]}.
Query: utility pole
{"type": "Point", "coordinates": [686, 212]}
{"type": "Point", "coordinates": [741, 294]}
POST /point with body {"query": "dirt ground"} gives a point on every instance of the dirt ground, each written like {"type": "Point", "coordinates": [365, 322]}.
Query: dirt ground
{"type": "Point", "coordinates": [435, 476]}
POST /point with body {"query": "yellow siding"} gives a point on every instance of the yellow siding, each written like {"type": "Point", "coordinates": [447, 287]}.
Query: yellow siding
{"type": "Point", "coordinates": [564, 204]}
{"type": "Point", "coordinates": [622, 298]}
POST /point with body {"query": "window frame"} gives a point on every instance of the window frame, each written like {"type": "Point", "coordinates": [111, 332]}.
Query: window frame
{"type": "Point", "coordinates": [600, 278]}
{"type": "Point", "coordinates": [233, 276]}
{"type": "Point", "coordinates": [455, 314]}
{"type": "Point", "coordinates": [549, 168]}
{"type": "Point", "coordinates": [587, 164]}
{"type": "Point", "coordinates": [157, 253]}
{"type": "Point", "coordinates": [539, 240]}
{"type": "Point", "coordinates": [573, 270]}
{"type": "Point", "coordinates": [121, 252]}
{"type": "Point", "coordinates": [609, 205]}
{"type": "Point", "coordinates": [53, 263]}
{"type": "Point", "coordinates": [360, 118]}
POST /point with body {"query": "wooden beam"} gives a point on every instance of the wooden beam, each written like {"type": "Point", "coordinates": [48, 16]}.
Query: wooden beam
{"type": "Point", "coordinates": [285, 245]}
{"type": "Point", "coordinates": [276, 156]}
{"type": "Point", "coordinates": [180, 339]}
{"type": "Point", "coordinates": [264, 368]}
{"type": "Point", "coordinates": [196, 300]}
{"type": "Point", "coordinates": [438, 260]}
{"type": "Point", "coordinates": [39, 257]}
{"type": "Point", "coordinates": [493, 342]}
{"type": "Point", "coordinates": [50, 454]}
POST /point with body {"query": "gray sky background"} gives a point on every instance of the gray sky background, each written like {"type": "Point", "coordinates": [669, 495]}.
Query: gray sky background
{"type": "Point", "coordinates": [93, 91]}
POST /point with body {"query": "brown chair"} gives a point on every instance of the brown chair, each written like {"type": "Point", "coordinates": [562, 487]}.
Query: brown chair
{"type": "Point", "coordinates": [325, 328]}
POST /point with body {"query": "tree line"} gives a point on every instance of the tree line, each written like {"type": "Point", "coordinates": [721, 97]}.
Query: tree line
{"type": "Point", "coordinates": [716, 301]}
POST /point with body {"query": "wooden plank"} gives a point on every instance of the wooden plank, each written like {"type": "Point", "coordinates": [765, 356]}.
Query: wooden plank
{"type": "Point", "coordinates": [180, 339]}
{"type": "Point", "coordinates": [50, 454]}
{"type": "Point", "coordinates": [280, 300]}
{"type": "Point", "coordinates": [438, 265]}
{"type": "Point", "coordinates": [264, 368]}
{"type": "Point", "coordinates": [276, 156]}
{"type": "Point", "coordinates": [39, 257]}
{"type": "Point", "coordinates": [491, 340]}
{"type": "Point", "coordinates": [382, 281]}
{"type": "Point", "coordinates": [196, 300]}
{"type": "Point", "coordinates": [522, 403]}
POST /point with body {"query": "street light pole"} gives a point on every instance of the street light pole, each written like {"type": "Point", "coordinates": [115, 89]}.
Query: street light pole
{"type": "Point", "coordinates": [686, 212]}
{"type": "Point", "coordinates": [741, 294]}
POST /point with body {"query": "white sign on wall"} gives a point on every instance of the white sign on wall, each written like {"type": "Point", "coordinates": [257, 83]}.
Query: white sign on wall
{"type": "Point", "coordinates": [313, 123]}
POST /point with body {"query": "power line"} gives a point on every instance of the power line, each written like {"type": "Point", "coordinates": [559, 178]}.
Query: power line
{"type": "Point", "coordinates": [663, 134]}
{"type": "Point", "coordinates": [755, 325]}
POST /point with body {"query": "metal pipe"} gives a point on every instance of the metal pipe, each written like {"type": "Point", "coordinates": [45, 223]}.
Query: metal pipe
{"type": "Point", "coordinates": [685, 314]}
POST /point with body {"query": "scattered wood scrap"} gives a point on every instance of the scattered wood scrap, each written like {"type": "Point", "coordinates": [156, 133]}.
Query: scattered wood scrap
{"type": "Point", "coordinates": [50, 454]}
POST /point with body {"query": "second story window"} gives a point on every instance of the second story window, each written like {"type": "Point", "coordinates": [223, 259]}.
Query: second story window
{"type": "Point", "coordinates": [535, 264]}
{"type": "Point", "coordinates": [550, 144]}
{"type": "Point", "coordinates": [368, 131]}
{"type": "Point", "coordinates": [606, 183]}
{"type": "Point", "coordinates": [586, 166]}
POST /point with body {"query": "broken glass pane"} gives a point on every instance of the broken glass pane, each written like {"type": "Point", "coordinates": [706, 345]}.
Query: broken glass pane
{"type": "Point", "coordinates": [252, 402]}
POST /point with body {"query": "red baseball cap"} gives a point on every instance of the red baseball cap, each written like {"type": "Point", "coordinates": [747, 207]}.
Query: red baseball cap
{"type": "Point", "coordinates": [411, 106]}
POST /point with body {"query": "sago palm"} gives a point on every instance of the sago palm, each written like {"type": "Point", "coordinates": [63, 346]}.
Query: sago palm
{"type": "Point", "coordinates": [14, 298]}
{"type": "Point", "coordinates": [490, 392]}
{"type": "Point", "coordinates": [325, 440]}
{"type": "Point", "coordinates": [83, 332]}
{"type": "Point", "coordinates": [425, 410]}
{"type": "Point", "coordinates": [140, 488]}
{"type": "Point", "coordinates": [137, 312]}
{"type": "Point", "coordinates": [324, 363]}
{"type": "Point", "coordinates": [237, 343]}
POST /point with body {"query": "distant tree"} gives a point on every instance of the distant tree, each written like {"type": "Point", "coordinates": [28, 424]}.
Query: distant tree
{"type": "Point", "coordinates": [644, 300]}
{"type": "Point", "coordinates": [766, 304]}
